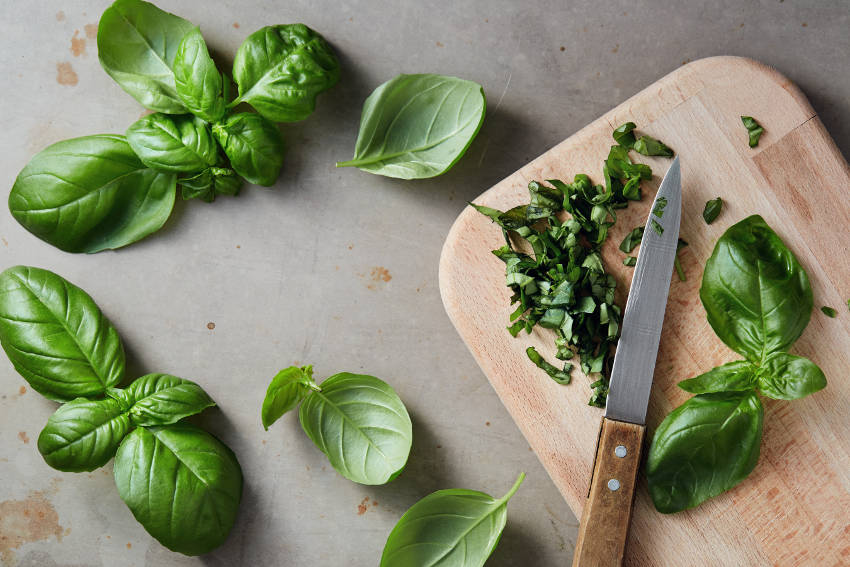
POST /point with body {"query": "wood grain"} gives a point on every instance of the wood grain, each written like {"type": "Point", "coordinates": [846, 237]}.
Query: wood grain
{"type": "Point", "coordinates": [793, 509]}
{"type": "Point", "coordinates": [607, 513]}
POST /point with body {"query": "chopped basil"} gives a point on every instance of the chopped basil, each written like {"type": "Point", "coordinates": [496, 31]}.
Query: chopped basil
{"type": "Point", "coordinates": [753, 128]}
{"type": "Point", "coordinates": [657, 227]}
{"type": "Point", "coordinates": [624, 135]}
{"type": "Point", "coordinates": [712, 210]}
{"type": "Point", "coordinates": [649, 146]}
{"type": "Point", "coordinates": [660, 205]}
{"type": "Point", "coordinates": [559, 376]}
{"type": "Point", "coordinates": [829, 311]}
{"type": "Point", "coordinates": [632, 239]}
{"type": "Point", "coordinates": [677, 264]}
{"type": "Point", "coordinates": [629, 261]}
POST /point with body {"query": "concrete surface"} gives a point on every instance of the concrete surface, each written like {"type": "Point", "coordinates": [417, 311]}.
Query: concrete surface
{"type": "Point", "coordinates": [338, 268]}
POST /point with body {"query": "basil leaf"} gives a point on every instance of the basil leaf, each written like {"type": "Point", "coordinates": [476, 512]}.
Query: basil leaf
{"type": "Point", "coordinates": [162, 399]}
{"type": "Point", "coordinates": [182, 144]}
{"type": "Point", "coordinates": [712, 210]}
{"type": "Point", "coordinates": [629, 261]}
{"type": "Point", "coordinates": [624, 135]}
{"type": "Point", "coordinates": [362, 426]}
{"type": "Point", "coordinates": [209, 183]}
{"type": "Point", "coordinates": [649, 146]}
{"type": "Point", "coordinates": [632, 239]}
{"type": "Point", "coordinates": [787, 377]}
{"type": "Point", "coordinates": [455, 527]}
{"type": "Point", "coordinates": [737, 376]}
{"type": "Point", "coordinates": [756, 294]}
{"type": "Point", "coordinates": [656, 227]}
{"type": "Point", "coordinates": [754, 130]}
{"type": "Point", "coordinates": [559, 376]}
{"type": "Point", "coordinates": [91, 194]}
{"type": "Point", "coordinates": [704, 447]}
{"type": "Point", "coordinates": [286, 390]}
{"type": "Point", "coordinates": [253, 145]}
{"type": "Point", "coordinates": [417, 126]}
{"type": "Point", "coordinates": [181, 483]}
{"type": "Point", "coordinates": [281, 69]}
{"type": "Point", "coordinates": [137, 44]}
{"type": "Point", "coordinates": [829, 311]}
{"type": "Point", "coordinates": [198, 82]}
{"type": "Point", "coordinates": [55, 335]}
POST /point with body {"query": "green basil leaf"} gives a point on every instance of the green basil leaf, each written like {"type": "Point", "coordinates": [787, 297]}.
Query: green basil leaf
{"type": "Point", "coordinates": [559, 376]}
{"type": "Point", "coordinates": [624, 135]}
{"type": "Point", "coordinates": [286, 390]}
{"type": "Point", "coordinates": [656, 227]}
{"type": "Point", "coordinates": [754, 130]}
{"type": "Point", "coordinates": [360, 423]}
{"type": "Point", "coordinates": [449, 528]}
{"type": "Point", "coordinates": [209, 183]}
{"type": "Point", "coordinates": [649, 146]}
{"type": "Point", "coordinates": [198, 82]}
{"type": "Point", "coordinates": [181, 483]}
{"type": "Point", "coordinates": [712, 210]}
{"type": "Point", "coordinates": [756, 294]}
{"type": "Point", "coordinates": [162, 399]}
{"type": "Point", "coordinates": [56, 336]}
{"type": "Point", "coordinates": [737, 376]}
{"type": "Point", "coordinates": [704, 447]}
{"type": "Point", "coordinates": [417, 126]}
{"type": "Point", "coordinates": [632, 239]}
{"type": "Point", "coordinates": [83, 434]}
{"type": "Point", "coordinates": [787, 377]}
{"type": "Point", "coordinates": [629, 261]}
{"type": "Point", "coordinates": [253, 145]}
{"type": "Point", "coordinates": [137, 44]}
{"type": "Point", "coordinates": [91, 194]}
{"type": "Point", "coordinates": [182, 144]}
{"type": "Point", "coordinates": [829, 311]}
{"type": "Point", "coordinates": [281, 69]}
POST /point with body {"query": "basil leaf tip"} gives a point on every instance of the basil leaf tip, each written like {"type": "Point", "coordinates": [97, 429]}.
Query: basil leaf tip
{"type": "Point", "coordinates": [829, 311]}
{"type": "Point", "coordinates": [712, 210]}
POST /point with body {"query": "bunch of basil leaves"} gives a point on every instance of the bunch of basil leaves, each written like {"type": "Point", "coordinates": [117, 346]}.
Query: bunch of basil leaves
{"type": "Point", "coordinates": [181, 483]}
{"type": "Point", "coordinates": [758, 301]}
{"type": "Point", "coordinates": [106, 191]}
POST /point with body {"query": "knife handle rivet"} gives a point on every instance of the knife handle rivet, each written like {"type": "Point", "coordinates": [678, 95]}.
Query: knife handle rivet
{"type": "Point", "coordinates": [620, 451]}
{"type": "Point", "coordinates": [614, 484]}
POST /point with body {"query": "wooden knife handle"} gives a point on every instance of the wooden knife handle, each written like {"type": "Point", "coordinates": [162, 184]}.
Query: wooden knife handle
{"type": "Point", "coordinates": [608, 511]}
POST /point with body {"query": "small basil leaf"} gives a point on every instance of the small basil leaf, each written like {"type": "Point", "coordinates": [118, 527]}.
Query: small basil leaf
{"type": "Point", "coordinates": [162, 399]}
{"type": "Point", "coordinates": [829, 311]}
{"type": "Point", "coordinates": [559, 376]}
{"type": "Point", "coordinates": [455, 527]}
{"type": "Point", "coordinates": [632, 239]}
{"type": "Point", "coordinates": [649, 146]}
{"type": "Point", "coordinates": [226, 182]}
{"type": "Point", "coordinates": [83, 434]}
{"type": "Point", "coordinates": [91, 194]}
{"type": "Point", "coordinates": [624, 135]}
{"type": "Point", "coordinates": [754, 130]}
{"type": "Point", "coordinates": [209, 183]}
{"type": "Point", "coordinates": [281, 69]}
{"type": "Point", "coordinates": [417, 126]}
{"type": "Point", "coordinates": [737, 376]}
{"type": "Point", "coordinates": [656, 227]}
{"type": "Point", "coordinates": [704, 447]}
{"type": "Point", "coordinates": [286, 390]}
{"type": "Point", "coordinates": [181, 483]}
{"type": "Point", "coordinates": [787, 377]}
{"type": "Point", "coordinates": [137, 44]}
{"type": "Point", "coordinates": [756, 294]}
{"type": "Point", "coordinates": [712, 210]}
{"type": "Point", "coordinates": [362, 426]}
{"type": "Point", "coordinates": [199, 83]}
{"type": "Point", "coordinates": [253, 145]}
{"type": "Point", "coordinates": [173, 143]}
{"type": "Point", "coordinates": [56, 336]}
{"type": "Point", "coordinates": [629, 261]}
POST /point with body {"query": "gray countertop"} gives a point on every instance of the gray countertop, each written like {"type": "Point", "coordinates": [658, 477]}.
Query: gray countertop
{"type": "Point", "coordinates": [338, 268]}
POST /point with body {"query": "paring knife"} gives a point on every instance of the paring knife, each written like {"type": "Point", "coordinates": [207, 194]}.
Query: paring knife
{"type": "Point", "coordinates": [608, 511]}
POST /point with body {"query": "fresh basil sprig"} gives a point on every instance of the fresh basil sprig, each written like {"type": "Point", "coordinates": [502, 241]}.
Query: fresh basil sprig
{"type": "Point", "coordinates": [758, 301]}
{"type": "Point", "coordinates": [180, 482]}
{"type": "Point", "coordinates": [357, 420]}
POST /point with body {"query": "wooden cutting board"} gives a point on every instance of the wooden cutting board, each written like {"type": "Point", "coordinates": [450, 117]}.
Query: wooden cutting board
{"type": "Point", "coordinates": [794, 509]}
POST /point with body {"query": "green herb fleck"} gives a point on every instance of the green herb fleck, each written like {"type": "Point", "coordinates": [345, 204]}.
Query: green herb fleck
{"type": "Point", "coordinates": [632, 239]}
{"type": "Point", "coordinates": [649, 146]}
{"type": "Point", "coordinates": [660, 205]}
{"type": "Point", "coordinates": [629, 261]}
{"type": "Point", "coordinates": [624, 135]}
{"type": "Point", "coordinates": [559, 376]}
{"type": "Point", "coordinates": [712, 210]}
{"type": "Point", "coordinates": [829, 311]}
{"type": "Point", "coordinates": [754, 128]}
{"type": "Point", "coordinates": [657, 227]}
{"type": "Point", "coordinates": [677, 264]}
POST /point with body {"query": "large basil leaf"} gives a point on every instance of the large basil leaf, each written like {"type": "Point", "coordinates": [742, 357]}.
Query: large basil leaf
{"type": "Point", "coordinates": [162, 399]}
{"type": "Point", "coordinates": [737, 376]}
{"type": "Point", "coordinates": [704, 447]}
{"type": "Point", "coordinates": [360, 423]}
{"type": "Point", "coordinates": [199, 83]}
{"type": "Point", "coordinates": [137, 44]}
{"type": "Point", "coordinates": [181, 144]}
{"type": "Point", "coordinates": [83, 434]}
{"type": "Point", "coordinates": [787, 377]}
{"type": "Point", "coordinates": [90, 194]}
{"type": "Point", "coordinates": [449, 528]}
{"type": "Point", "coordinates": [56, 336]}
{"type": "Point", "coordinates": [181, 483]}
{"type": "Point", "coordinates": [253, 145]}
{"type": "Point", "coordinates": [756, 294]}
{"type": "Point", "coordinates": [286, 390]}
{"type": "Point", "coordinates": [280, 69]}
{"type": "Point", "coordinates": [417, 126]}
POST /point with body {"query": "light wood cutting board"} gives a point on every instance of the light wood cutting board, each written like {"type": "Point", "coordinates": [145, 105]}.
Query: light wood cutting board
{"type": "Point", "coordinates": [794, 509]}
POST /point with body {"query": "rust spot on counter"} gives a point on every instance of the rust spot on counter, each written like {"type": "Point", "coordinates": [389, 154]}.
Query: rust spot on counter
{"type": "Point", "coordinates": [379, 273]}
{"type": "Point", "coordinates": [60, 16]}
{"type": "Point", "coordinates": [210, 325]}
{"type": "Point", "coordinates": [440, 44]}
{"type": "Point", "coordinates": [236, 25]}
{"type": "Point", "coordinates": [78, 44]}
{"type": "Point", "coordinates": [22, 435]}
{"type": "Point", "coordinates": [22, 390]}
{"type": "Point", "coordinates": [26, 521]}
{"type": "Point", "coordinates": [65, 74]}
{"type": "Point", "coordinates": [91, 31]}
{"type": "Point", "coordinates": [129, 545]}
{"type": "Point", "coordinates": [363, 506]}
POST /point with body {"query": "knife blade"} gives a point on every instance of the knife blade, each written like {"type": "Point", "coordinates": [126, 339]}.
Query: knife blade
{"type": "Point", "coordinates": [607, 513]}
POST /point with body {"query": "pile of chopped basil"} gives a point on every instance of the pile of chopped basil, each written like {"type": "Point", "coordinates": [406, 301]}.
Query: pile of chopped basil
{"type": "Point", "coordinates": [562, 284]}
